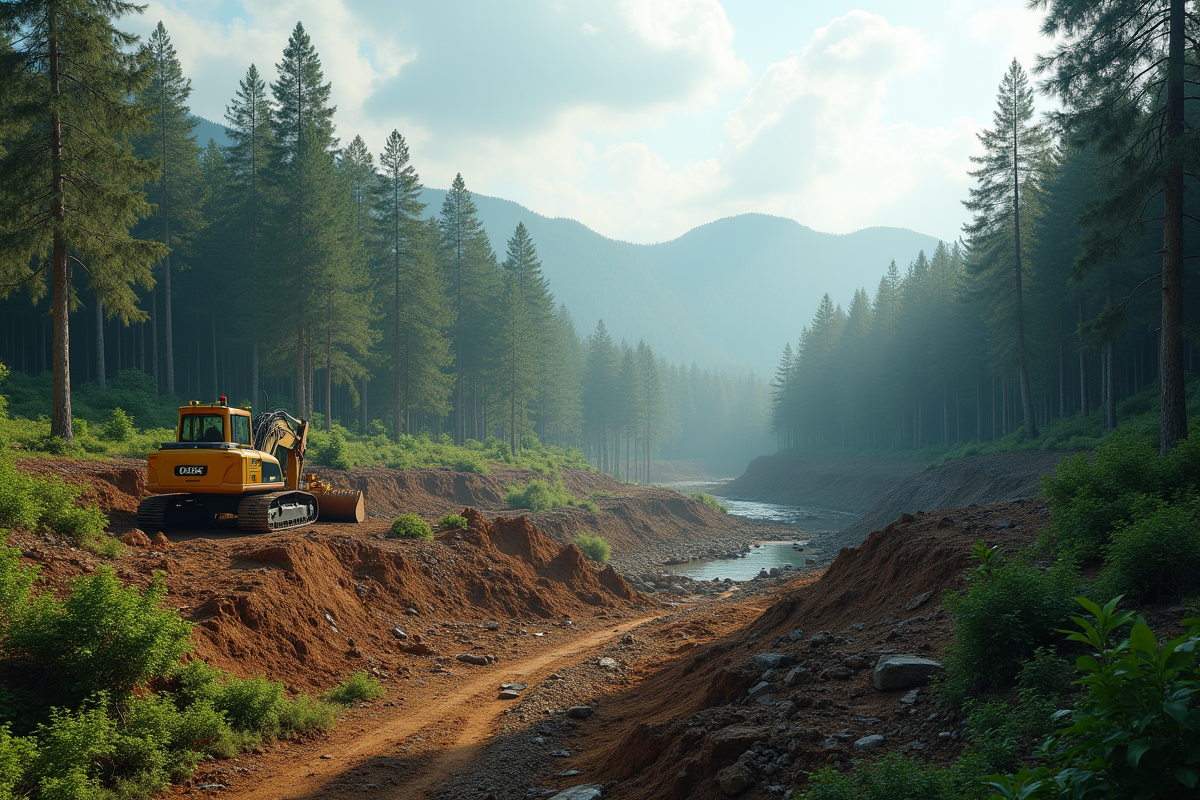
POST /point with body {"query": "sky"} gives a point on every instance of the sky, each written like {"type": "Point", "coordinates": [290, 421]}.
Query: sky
{"type": "Point", "coordinates": [645, 118]}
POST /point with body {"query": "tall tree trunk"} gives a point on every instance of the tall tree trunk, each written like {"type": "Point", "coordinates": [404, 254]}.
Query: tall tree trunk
{"type": "Point", "coordinates": [1083, 378]}
{"type": "Point", "coordinates": [1171, 399]}
{"type": "Point", "coordinates": [300, 372]}
{"type": "Point", "coordinates": [60, 414]}
{"type": "Point", "coordinates": [1031, 430]}
{"type": "Point", "coordinates": [100, 367]}
{"type": "Point", "coordinates": [362, 408]}
{"type": "Point", "coordinates": [329, 362]}
{"type": "Point", "coordinates": [169, 330]}
{"type": "Point", "coordinates": [254, 374]}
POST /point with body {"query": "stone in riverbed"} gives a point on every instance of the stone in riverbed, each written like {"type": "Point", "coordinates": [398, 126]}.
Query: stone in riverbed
{"type": "Point", "coordinates": [903, 672]}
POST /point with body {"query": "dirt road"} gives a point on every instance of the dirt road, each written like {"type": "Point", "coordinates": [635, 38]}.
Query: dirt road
{"type": "Point", "coordinates": [423, 743]}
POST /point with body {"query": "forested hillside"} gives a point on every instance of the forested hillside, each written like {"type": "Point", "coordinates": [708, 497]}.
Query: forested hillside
{"type": "Point", "coordinates": [1049, 310]}
{"type": "Point", "coordinates": [292, 266]}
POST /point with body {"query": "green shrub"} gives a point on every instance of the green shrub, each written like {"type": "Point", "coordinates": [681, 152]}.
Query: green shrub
{"type": "Point", "coordinates": [16, 756]}
{"type": "Point", "coordinates": [1091, 497]}
{"type": "Point", "coordinates": [303, 713]}
{"type": "Point", "coordinates": [453, 521]}
{"type": "Point", "coordinates": [119, 427]}
{"type": "Point", "coordinates": [1001, 619]}
{"type": "Point", "coordinates": [711, 502]}
{"type": "Point", "coordinates": [37, 503]}
{"type": "Point", "coordinates": [358, 687]}
{"type": "Point", "coordinates": [410, 526]}
{"type": "Point", "coordinates": [539, 496]}
{"type": "Point", "coordinates": [1135, 730]}
{"type": "Point", "coordinates": [103, 636]}
{"type": "Point", "coordinates": [592, 546]}
{"type": "Point", "coordinates": [1156, 553]}
{"type": "Point", "coordinates": [893, 777]}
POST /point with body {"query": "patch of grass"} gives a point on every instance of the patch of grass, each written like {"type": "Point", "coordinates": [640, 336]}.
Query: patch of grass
{"type": "Point", "coordinates": [359, 687]}
{"type": "Point", "coordinates": [410, 526]}
{"type": "Point", "coordinates": [453, 521]}
{"type": "Point", "coordinates": [711, 502]}
{"type": "Point", "coordinates": [593, 546]}
{"type": "Point", "coordinates": [539, 496]}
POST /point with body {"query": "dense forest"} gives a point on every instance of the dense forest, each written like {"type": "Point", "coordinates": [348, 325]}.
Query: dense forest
{"type": "Point", "coordinates": [1063, 297]}
{"type": "Point", "coordinates": [295, 268]}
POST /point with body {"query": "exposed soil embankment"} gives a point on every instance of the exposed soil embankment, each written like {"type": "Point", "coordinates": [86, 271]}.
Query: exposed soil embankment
{"type": "Point", "coordinates": [977, 480]}
{"type": "Point", "coordinates": [692, 730]}
{"type": "Point", "coordinates": [840, 483]}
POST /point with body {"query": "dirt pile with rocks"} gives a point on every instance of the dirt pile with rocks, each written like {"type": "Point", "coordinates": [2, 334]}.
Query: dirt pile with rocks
{"type": "Point", "coordinates": [756, 710]}
{"type": "Point", "coordinates": [838, 483]}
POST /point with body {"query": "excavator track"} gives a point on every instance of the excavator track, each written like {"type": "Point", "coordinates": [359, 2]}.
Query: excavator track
{"type": "Point", "coordinates": [163, 512]}
{"type": "Point", "coordinates": [263, 513]}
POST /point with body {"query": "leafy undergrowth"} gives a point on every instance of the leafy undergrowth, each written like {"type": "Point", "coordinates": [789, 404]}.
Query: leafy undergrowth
{"type": "Point", "coordinates": [48, 503]}
{"type": "Point", "coordinates": [96, 702]}
{"type": "Point", "coordinates": [539, 496]}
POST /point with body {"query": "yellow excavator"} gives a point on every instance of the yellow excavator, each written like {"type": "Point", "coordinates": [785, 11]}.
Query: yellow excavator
{"type": "Point", "coordinates": [224, 463]}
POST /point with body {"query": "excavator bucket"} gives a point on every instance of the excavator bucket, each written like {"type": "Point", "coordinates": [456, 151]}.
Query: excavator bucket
{"type": "Point", "coordinates": [337, 505]}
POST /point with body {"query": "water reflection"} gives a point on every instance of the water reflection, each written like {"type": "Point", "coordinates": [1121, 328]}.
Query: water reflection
{"type": "Point", "coordinates": [764, 556]}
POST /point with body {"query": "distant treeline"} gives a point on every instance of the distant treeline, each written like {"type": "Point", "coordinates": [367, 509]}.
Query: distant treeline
{"type": "Point", "coordinates": [1050, 306]}
{"type": "Point", "coordinates": [295, 266]}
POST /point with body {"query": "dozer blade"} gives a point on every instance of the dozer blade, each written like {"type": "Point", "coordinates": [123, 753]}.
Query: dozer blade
{"type": "Point", "coordinates": [343, 505]}
{"type": "Point", "coordinates": [263, 513]}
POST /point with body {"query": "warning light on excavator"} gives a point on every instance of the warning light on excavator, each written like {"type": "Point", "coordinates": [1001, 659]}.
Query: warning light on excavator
{"type": "Point", "coordinates": [224, 402]}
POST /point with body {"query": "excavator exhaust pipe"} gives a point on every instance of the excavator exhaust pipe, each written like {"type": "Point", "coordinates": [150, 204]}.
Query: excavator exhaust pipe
{"type": "Point", "coordinates": [337, 505]}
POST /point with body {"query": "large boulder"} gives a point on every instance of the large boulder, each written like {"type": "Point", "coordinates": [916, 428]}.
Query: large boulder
{"type": "Point", "coordinates": [903, 672]}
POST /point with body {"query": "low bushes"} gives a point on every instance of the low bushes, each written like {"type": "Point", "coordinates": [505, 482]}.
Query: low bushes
{"type": "Point", "coordinates": [359, 687]}
{"type": "Point", "coordinates": [410, 526]}
{"type": "Point", "coordinates": [1007, 612]}
{"type": "Point", "coordinates": [78, 717]}
{"type": "Point", "coordinates": [47, 503]}
{"type": "Point", "coordinates": [539, 496]}
{"type": "Point", "coordinates": [453, 521]}
{"type": "Point", "coordinates": [1156, 553]}
{"type": "Point", "coordinates": [592, 546]}
{"type": "Point", "coordinates": [711, 502]}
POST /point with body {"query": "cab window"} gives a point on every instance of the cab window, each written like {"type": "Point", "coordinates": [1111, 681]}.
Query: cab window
{"type": "Point", "coordinates": [202, 428]}
{"type": "Point", "coordinates": [241, 428]}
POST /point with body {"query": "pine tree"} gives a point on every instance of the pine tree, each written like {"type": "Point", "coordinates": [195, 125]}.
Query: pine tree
{"type": "Point", "coordinates": [424, 315]}
{"type": "Point", "coordinates": [472, 280]}
{"type": "Point", "coordinates": [1120, 69]}
{"type": "Point", "coordinates": [599, 396]}
{"type": "Point", "coordinates": [177, 191]}
{"type": "Point", "coordinates": [399, 212]}
{"type": "Point", "coordinates": [1010, 172]}
{"type": "Point", "coordinates": [303, 210]}
{"type": "Point", "coordinates": [650, 402]}
{"type": "Point", "coordinates": [525, 318]}
{"type": "Point", "coordinates": [358, 168]}
{"type": "Point", "coordinates": [248, 123]}
{"type": "Point", "coordinates": [66, 172]}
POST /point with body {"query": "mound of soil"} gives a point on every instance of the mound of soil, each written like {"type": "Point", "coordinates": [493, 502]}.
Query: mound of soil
{"type": "Point", "coordinates": [116, 485]}
{"type": "Point", "coordinates": [977, 480]}
{"type": "Point", "coordinates": [838, 483]}
{"type": "Point", "coordinates": [691, 729]}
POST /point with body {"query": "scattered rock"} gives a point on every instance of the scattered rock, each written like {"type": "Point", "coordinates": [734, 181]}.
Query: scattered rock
{"type": "Point", "coordinates": [796, 635]}
{"type": "Point", "coordinates": [735, 779]}
{"type": "Point", "coordinates": [771, 660]}
{"type": "Point", "coordinates": [560, 753]}
{"type": "Point", "coordinates": [903, 672]}
{"type": "Point", "coordinates": [412, 612]}
{"type": "Point", "coordinates": [820, 639]}
{"type": "Point", "coordinates": [579, 712]}
{"type": "Point", "coordinates": [872, 742]}
{"type": "Point", "coordinates": [399, 634]}
{"type": "Point", "coordinates": [585, 791]}
{"type": "Point", "coordinates": [759, 689]}
{"type": "Point", "coordinates": [794, 676]}
{"type": "Point", "coordinates": [855, 663]}
{"type": "Point", "coordinates": [911, 697]}
{"type": "Point", "coordinates": [835, 673]}
{"type": "Point", "coordinates": [858, 626]}
{"type": "Point", "coordinates": [774, 572]}
{"type": "Point", "coordinates": [607, 663]}
{"type": "Point", "coordinates": [1004, 525]}
{"type": "Point", "coordinates": [763, 574]}
{"type": "Point", "coordinates": [136, 538]}
{"type": "Point", "coordinates": [473, 658]}
{"type": "Point", "coordinates": [508, 694]}
{"type": "Point", "coordinates": [160, 541]}
{"type": "Point", "coordinates": [918, 601]}
{"type": "Point", "coordinates": [514, 687]}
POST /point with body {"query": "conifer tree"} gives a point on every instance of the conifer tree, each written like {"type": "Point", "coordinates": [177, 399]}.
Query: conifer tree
{"type": "Point", "coordinates": [398, 219]}
{"type": "Point", "coordinates": [177, 191]}
{"type": "Point", "coordinates": [1121, 70]}
{"type": "Point", "coordinates": [1010, 173]}
{"type": "Point", "coordinates": [67, 175]}
{"type": "Point", "coordinates": [248, 123]}
{"type": "Point", "coordinates": [525, 317]}
{"type": "Point", "coordinates": [599, 396]}
{"type": "Point", "coordinates": [358, 167]}
{"type": "Point", "coordinates": [650, 402]}
{"type": "Point", "coordinates": [422, 349]}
